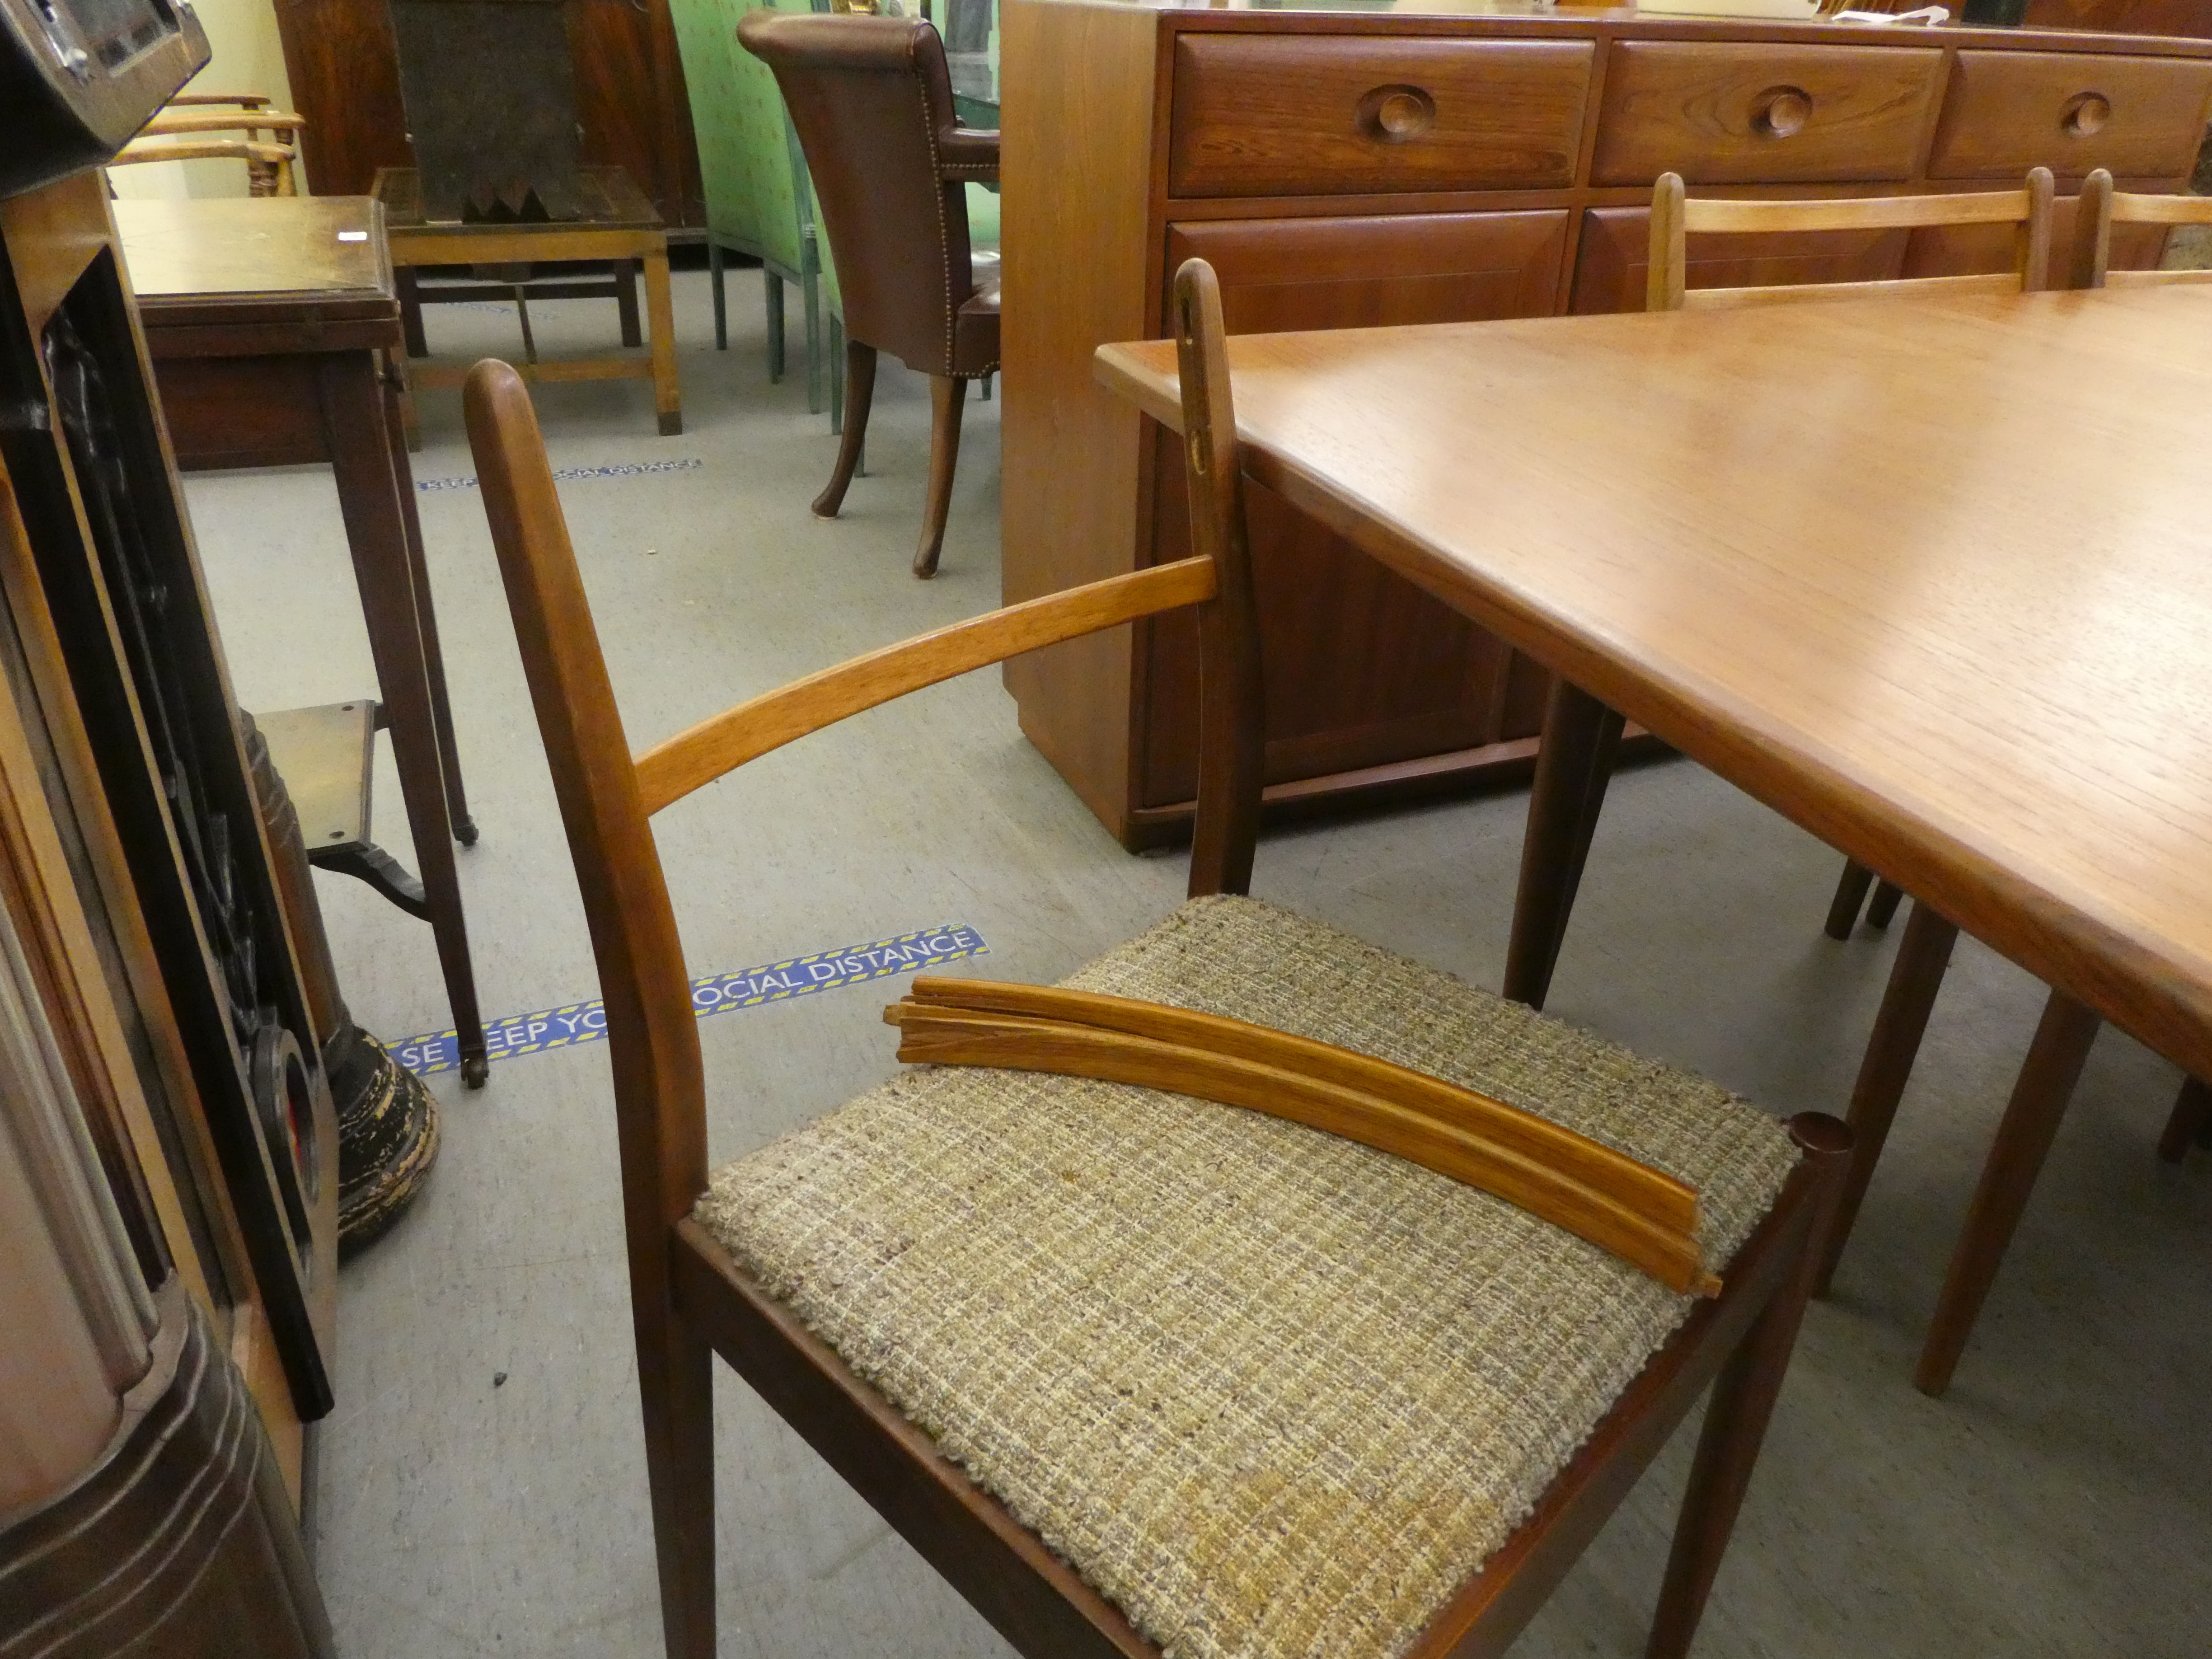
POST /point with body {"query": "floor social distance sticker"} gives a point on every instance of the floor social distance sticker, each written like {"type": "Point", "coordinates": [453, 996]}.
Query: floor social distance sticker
{"type": "Point", "coordinates": [715, 994]}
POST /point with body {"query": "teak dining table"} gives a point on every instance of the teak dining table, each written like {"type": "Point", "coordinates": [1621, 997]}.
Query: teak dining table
{"type": "Point", "coordinates": [1930, 576]}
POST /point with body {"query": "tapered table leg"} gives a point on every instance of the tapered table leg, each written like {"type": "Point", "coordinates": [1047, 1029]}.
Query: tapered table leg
{"type": "Point", "coordinates": [426, 617]}
{"type": "Point", "coordinates": [2038, 1100]}
{"type": "Point", "coordinates": [1574, 763]}
{"type": "Point", "coordinates": [1914, 978]}
{"type": "Point", "coordinates": [355, 420]}
{"type": "Point", "coordinates": [2190, 1125]}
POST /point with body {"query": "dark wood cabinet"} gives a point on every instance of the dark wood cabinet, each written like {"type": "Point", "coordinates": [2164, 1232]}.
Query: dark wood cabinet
{"type": "Point", "coordinates": [1345, 171]}
{"type": "Point", "coordinates": [630, 98]}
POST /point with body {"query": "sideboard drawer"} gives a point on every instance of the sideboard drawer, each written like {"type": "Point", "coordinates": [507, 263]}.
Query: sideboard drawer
{"type": "Point", "coordinates": [1319, 114]}
{"type": "Point", "coordinates": [1724, 114]}
{"type": "Point", "coordinates": [2010, 111]}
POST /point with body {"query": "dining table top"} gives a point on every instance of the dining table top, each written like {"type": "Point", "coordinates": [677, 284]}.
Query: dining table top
{"type": "Point", "coordinates": [1932, 575]}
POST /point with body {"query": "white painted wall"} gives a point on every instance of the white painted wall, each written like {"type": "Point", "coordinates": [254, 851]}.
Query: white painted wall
{"type": "Point", "coordinates": [248, 58]}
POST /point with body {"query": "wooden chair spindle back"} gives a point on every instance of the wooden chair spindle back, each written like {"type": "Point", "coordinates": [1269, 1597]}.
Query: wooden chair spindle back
{"type": "Point", "coordinates": [1675, 218]}
{"type": "Point", "coordinates": [2102, 207]}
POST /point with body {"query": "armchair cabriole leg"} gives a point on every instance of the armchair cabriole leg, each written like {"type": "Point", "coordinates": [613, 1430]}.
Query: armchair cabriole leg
{"type": "Point", "coordinates": [948, 395]}
{"type": "Point", "coordinates": [860, 393]}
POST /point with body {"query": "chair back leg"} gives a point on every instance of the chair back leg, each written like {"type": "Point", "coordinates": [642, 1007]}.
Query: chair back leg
{"type": "Point", "coordinates": [860, 393]}
{"type": "Point", "coordinates": [947, 395]}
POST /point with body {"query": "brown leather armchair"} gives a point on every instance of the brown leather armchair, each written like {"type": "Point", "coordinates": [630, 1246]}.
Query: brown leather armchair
{"type": "Point", "coordinates": [872, 104]}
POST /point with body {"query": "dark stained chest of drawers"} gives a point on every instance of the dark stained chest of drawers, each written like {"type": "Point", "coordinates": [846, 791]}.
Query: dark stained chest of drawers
{"type": "Point", "coordinates": [1344, 169]}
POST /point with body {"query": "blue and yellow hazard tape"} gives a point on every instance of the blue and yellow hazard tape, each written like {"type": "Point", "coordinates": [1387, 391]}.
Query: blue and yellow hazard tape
{"type": "Point", "coordinates": [715, 994]}
{"type": "Point", "coordinates": [575, 474]}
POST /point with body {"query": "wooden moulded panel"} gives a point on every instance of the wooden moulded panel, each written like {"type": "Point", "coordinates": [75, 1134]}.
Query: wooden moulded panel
{"type": "Point", "coordinates": [2009, 111]}
{"type": "Point", "coordinates": [1616, 245]}
{"type": "Point", "coordinates": [1364, 669]}
{"type": "Point", "coordinates": [1720, 114]}
{"type": "Point", "coordinates": [1288, 114]}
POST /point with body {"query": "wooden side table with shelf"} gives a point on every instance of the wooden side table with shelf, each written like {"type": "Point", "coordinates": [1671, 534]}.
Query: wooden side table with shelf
{"type": "Point", "coordinates": [273, 323]}
{"type": "Point", "coordinates": [622, 227]}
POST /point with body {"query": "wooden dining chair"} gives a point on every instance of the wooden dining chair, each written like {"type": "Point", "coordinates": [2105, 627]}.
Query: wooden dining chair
{"type": "Point", "coordinates": [1256, 1291]}
{"type": "Point", "coordinates": [246, 127]}
{"type": "Point", "coordinates": [1675, 218]}
{"type": "Point", "coordinates": [871, 100]}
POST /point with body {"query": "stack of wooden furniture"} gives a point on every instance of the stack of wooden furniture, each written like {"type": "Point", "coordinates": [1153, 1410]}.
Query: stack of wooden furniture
{"type": "Point", "coordinates": [168, 1152]}
{"type": "Point", "coordinates": [1340, 171]}
{"type": "Point", "coordinates": [198, 126]}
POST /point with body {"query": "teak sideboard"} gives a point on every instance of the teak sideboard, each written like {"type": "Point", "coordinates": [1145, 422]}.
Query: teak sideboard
{"type": "Point", "coordinates": [1346, 167]}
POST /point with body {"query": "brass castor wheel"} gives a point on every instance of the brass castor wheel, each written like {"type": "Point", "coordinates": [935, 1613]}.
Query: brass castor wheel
{"type": "Point", "coordinates": [464, 831]}
{"type": "Point", "coordinates": [475, 1070]}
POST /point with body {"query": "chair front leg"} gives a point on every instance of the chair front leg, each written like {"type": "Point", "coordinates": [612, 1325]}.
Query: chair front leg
{"type": "Point", "coordinates": [721, 298]}
{"type": "Point", "coordinates": [947, 395]}
{"type": "Point", "coordinates": [860, 391]}
{"type": "Point", "coordinates": [1742, 1405]}
{"type": "Point", "coordinates": [676, 1388]}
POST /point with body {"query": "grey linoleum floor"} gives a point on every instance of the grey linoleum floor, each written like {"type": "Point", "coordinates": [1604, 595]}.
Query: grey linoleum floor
{"type": "Point", "coordinates": [2059, 1503]}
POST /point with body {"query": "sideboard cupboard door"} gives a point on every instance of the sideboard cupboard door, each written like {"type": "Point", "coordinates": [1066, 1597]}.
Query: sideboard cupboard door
{"type": "Point", "coordinates": [1259, 115]}
{"type": "Point", "coordinates": [1720, 113]}
{"type": "Point", "coordinates": [1364, 669]}
{"type": "Point", "coordinates": [2071, 112]}
{"type": "Point", "coordinates": [1616, 247]}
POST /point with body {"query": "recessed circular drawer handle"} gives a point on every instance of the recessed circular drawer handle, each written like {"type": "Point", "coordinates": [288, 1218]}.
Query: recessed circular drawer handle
{"type": "Point", "coordinates": [1781, 111]}
{"type": "Point", "coordinates": [1396, 115]}
{"type": "Point", "coordinates": [2085, 114]}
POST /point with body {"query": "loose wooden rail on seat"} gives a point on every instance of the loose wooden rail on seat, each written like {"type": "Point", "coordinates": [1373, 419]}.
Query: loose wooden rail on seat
{"type": "Point", "coordinates": [1646, 1217]}
{"type": "Point", "coordinates": [1674, 216]}
{"type": "Point", "coordinates": [673, 768]}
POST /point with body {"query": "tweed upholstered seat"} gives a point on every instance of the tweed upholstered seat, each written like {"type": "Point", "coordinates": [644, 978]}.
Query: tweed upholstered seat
{"type": "Point", "coordinates": [1270, 1391]}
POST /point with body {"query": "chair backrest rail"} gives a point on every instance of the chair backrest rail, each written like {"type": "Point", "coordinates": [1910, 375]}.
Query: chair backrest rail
{"type": "Point", "coordinates": [1706, 214]}
{"type": "Point", "coordinates": [1675, 218]}
{"type": "Point", "coordinates": [1720, 299]}
{"type": "Point", "coordinates": [673, 768]}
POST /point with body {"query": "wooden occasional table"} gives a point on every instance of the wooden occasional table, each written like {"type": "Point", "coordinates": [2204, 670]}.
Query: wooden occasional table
{"type": "Point", "coordinates": [1930, 577]}
{"type": "Point", "coordinates": [272, 324]}
{"type": "Point", "coordinates": [623, 228]}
